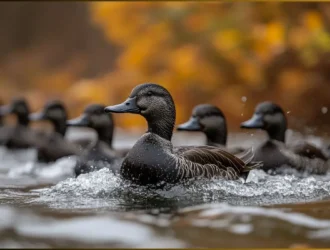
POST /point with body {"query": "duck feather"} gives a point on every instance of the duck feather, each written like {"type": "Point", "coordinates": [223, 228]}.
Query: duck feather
{"type": "Point", "coordinates": [217, 162]}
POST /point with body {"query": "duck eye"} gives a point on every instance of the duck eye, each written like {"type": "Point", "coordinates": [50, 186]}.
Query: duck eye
{"type": "Point", "coordinates": [149, 93]}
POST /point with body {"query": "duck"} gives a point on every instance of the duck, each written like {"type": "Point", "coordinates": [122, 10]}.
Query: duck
{"type": "Point", "coordinates": [55, 146]}
{"type": "Point", "coordinates": [152, 161]}
{"type": "Point", "coordinates": [19, 136]}
{"type": "Point", "coordinates": [210, 120]}
{"type": "Point", "coordinates": [54, 111]}
{"type": "Point", "coordinates": [101, 154]}
{"type": "Point", "coordinates": [274, 153]}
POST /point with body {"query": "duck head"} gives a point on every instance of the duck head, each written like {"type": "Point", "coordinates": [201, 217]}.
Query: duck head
{"type": "Point", "coordinates": [269, 117]}
{"type": "Point", "coordinates": [95, 118]}
{"type": "Point", "coordinates": [210, 120]}
{"type": "Point", "coordinates": [54, 112]}
{"type": "Point", "coordinates": [20, 108]}
{"type": "Point", "coordinates": [155, 104]}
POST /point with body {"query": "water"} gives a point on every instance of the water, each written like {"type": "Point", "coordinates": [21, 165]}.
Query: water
{"type": "Point", "coordinates": [44, 206]}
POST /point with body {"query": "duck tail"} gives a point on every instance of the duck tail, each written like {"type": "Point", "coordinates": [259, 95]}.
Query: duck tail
{"type": "Point", "coordinates": [253, 165]}
{"type": "Point", "coordinates": [247, 157]}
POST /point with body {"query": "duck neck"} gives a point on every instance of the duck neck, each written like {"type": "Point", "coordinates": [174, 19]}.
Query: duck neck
{"type": "Point", "coordinates": [59, 126]}
{"type": "Point", "coordinates": [215, 129]}
{"type": "Point", "coordinates": [162, 128]}
{"type": "Point", "coordinates": [277, 131]}
{"type": "Point", "coordinates": [216, 136]}
{"type": "Point", "coordinates": [277, 135]}
{"type": "Point", "coordinates": [23, 119]}
{"type": "Point", "coordinates": [105, 135]}
{"type": "Point", "coordinates": [162, 123]}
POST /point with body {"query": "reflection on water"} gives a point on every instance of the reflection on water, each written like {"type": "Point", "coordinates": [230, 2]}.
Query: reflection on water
{"type": "Point", "coordinates": [200, 226]}
{"type": "Point", "coordinates": [41, 203]}
{"type": "Point", "coordinates": [102, 230]}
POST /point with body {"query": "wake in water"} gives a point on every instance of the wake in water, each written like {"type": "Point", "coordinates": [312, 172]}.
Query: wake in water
{"type": "Point", "coordinates": [15, 159]}
{"type": "Point", "coordinates": [115, 193]}
{"type": "Point", "coordinates": [104, 190]}
{"type": "Point", "coordinates": [54, 172]}
{"type": "Point", "coordinates": [20, 166]}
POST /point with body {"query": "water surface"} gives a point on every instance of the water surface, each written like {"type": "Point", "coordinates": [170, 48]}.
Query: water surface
{"type": "Point", "coordinates": [44, 206]}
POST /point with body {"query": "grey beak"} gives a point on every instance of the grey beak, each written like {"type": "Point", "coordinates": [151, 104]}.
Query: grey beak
{"type": "Point", "coordinates": [191, 125]}
{"type": "Point", "coordinates": [81, 121]}
{"type": "Point", "coordinates": [255, 122]}
{"type": "Point", "coordinates": [128, 106]}
{"type": "Point", "coordinates": [37, 116]}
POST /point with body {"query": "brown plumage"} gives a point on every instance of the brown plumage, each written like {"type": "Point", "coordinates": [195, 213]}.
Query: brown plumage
{"type": "Point", "coordinates": [302, 156]}
{"type": "Point", "coordinates": [19, 136]}
{"type": "Point", "coordinates": [153, 160]}
{"type": "Point", "coordinates": [210, 120]}
{"type": "Point", "coordinates": [101, 154]}
{"type": "Point", "coordinates": [54, 146]}
{"type": "Point", "coordinates": [210, 161]}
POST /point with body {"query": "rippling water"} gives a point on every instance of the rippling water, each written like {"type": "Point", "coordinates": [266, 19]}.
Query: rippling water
{"type": "Point", "coordinates": [44, 206]}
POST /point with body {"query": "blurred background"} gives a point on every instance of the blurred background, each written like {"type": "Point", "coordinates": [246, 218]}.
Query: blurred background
{"type": "Point", "coordinates": [233, 55]}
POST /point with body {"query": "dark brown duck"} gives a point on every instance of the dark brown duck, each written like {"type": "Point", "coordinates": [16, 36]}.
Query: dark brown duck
{"type": "Point", "coordinates": [210, 120]}
{"type": "Point", "coordinates": [19, 136]}
{"type": "Point", "coordinates": [274, 153]}
{"type": "Point", "coordinates": [55, 146]}
{"type": "Point", "coordinates": [101, 154]}
{"type": "Point", "coordinates": [152, 160]}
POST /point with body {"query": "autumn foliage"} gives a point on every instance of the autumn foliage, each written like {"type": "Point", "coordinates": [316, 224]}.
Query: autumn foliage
{"type": "Point", "coordinates": [221, 52]}
{"type": "Point", "coordinates": [229, 54]}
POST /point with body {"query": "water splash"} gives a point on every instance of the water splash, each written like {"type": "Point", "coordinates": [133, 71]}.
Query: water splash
{"type": "Point", "coordinates": [259, 189]}
{"type": "Point", "coordinates": [59, 170]}
{"type": "Point", "coordinates": [10, 159]}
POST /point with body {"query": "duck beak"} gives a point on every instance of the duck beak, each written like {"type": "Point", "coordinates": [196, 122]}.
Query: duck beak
{"type": "Point", "coordinates": [255, 122]}
{"type": "Point", "coordinates": [5, 110]}
{"type": "Point", "coordinates": [191, 125]}
{"type": "Point", "coordinates": [81, 121]}
{"type": "Point", "coordinates": [128, 106]}
{"type": "Point", "coordinates": [37, 116]}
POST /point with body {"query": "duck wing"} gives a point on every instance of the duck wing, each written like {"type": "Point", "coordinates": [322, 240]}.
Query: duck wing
{"type": "Point", "coordinates": [308, 150]}
{"type": "Point", "coordinates": [21, 137]}
{"type": "Point", "coordinates": [234, 151]}
{"type": "Point", "coordinates": [54, 148]}
{"type": "Point", "coordinates": [178, 150]}
{"type": "Point", "coordinates": [306, 164]}
{"type": "Point", "coordinates": [300, 158]}
{"type": "Point", "coordinates": [208, 161]}
{"type": "Point", "coordinates": [98, 157]}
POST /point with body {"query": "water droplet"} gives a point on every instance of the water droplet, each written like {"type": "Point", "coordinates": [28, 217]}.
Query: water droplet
{"type": "Point", "coordinates": [288, 112]}
{"type": "Point", "coordinates": [324, 110]}
{"type": "Point", "coordinates": [244, 98]}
